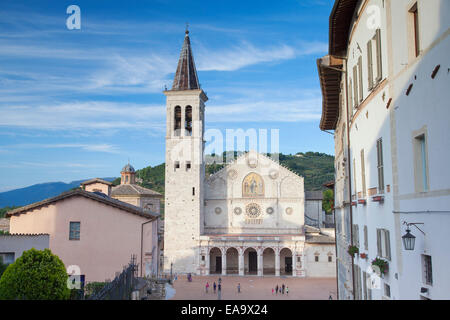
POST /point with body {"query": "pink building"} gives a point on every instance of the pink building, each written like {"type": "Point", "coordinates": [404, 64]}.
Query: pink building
{"type": "Point", "coordinates": [93, 231]}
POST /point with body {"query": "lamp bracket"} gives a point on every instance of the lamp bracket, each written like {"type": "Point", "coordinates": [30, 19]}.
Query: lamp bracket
{"type": "Point", "coordinates": [414, 224]}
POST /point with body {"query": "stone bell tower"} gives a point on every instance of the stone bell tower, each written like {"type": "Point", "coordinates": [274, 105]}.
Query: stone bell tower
{"type": "Point", "coordinates": [185, 169]}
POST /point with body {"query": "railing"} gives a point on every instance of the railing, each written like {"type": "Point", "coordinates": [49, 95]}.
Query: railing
{"type": "Point", "coordinates": [122, 285]}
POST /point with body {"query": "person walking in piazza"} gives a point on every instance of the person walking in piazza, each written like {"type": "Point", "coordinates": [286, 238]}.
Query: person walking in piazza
{"type": "Point", "coordinates": [282, 289]}
{"type": "Point", "coordinates": [287, 291]}
{"type": "Point", "coordinates": [215, 286]}
{"type": "Point", "coordinates": [276, 290]}
{"type": "Point", "coordinates": [272, 291]}
{"type": "Point", "coordinates": [207, 286]}
{"type": "Point", "coordinates": [239, 287]}
{"type": "Point", "coordinates": [219, 290]}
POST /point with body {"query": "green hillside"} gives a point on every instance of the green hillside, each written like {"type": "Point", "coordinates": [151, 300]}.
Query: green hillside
{"type": "Point", "coordinates": [317, 168]}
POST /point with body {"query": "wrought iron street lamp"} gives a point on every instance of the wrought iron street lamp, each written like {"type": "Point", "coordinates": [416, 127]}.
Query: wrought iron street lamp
{"type": "Point", "coordinates": [409, 240]}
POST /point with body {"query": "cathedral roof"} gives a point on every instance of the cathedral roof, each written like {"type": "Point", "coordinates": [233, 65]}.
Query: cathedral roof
{"type": "Point", "coordinates": [133, 190]}
{"type": "Point", "coordinates": [186, 75]}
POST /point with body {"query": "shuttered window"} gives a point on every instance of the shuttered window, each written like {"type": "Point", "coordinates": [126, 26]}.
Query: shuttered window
{"type": "Point", "coordinates": [380, 166]}
{"type": "Point", "coordinates": [365, 285]}
{"type": "Point", "coordinates": [355, 87]}
{"type": "Point", "coordinates": [379, 250]}
{"type": "Point", "coordinates": [387, 244]}
{"type": "Point", "coordinates": [383, 244]}
{"type": "Point", "coordinates": [356, 235]}
{"type": "Point", "coordinates": [354, 177]}
{"type": "Point", "coordinates": [379, 57]}
{"type": "Point", "coordinates": [363, 174]}
{"type": "Point", "coordinates": [350, 99]}
{"type": "Point", "coordinates": [361, 93]}
{"type": "Point", "coordinates": [415, 17]}
{"type": "Point", "coordinates": [366, 241]}
{"type": "Point", "coordinates": [369, 65]}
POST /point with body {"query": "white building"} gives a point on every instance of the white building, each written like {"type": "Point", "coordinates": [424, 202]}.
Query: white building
{"type": "Point", "coordinates": [248, 218]}
{"type": "Point", "coordinates": [385, 86]}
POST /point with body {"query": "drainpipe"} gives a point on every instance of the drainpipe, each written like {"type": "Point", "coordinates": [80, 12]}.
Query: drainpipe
{"type": "Point", "coordinates": [142, 243]}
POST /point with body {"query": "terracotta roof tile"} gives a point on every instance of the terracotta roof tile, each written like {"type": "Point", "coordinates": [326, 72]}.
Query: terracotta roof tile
{"type": "Point", "coordinates": [90, 195]}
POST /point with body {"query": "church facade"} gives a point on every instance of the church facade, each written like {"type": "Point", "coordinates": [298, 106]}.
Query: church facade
{"type": "Point", "coordinates": [248, 218]}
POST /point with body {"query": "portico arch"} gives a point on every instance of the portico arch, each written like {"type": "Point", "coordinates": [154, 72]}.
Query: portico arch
{"type": "Point", "coordinates": [286, 262]}
{"type": "Point", "coordinates": [250, 261]}
{"type": "Point", "coordinates": [268, 261]}
{"type": "Point", "coordinates": [232, 261]}
{"type": "Point", "coordinates": [215, 261]}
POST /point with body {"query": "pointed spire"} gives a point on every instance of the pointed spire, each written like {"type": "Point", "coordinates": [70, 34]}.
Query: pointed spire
{"type": "Point", "coordinates": [186, 76]}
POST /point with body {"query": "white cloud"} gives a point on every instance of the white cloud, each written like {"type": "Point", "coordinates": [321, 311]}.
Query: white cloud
{"type": "Point", "coordinates": [97, 115]}
{"type": "Point", "coordinates": [241, 56]}
{"type": "Point", "coordinates": [108, 148]}
{"type": "Point", "coordinates": [27, 164]}
{"type": "Point", "coordinates": [266, 111]}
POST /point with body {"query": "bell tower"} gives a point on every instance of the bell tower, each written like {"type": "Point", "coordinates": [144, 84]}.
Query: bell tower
{"type": "Point", "coordinates": [185, 169]}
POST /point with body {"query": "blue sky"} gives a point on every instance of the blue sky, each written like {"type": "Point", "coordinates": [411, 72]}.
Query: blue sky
{"type": "Point", "coordinates": [78, 104]}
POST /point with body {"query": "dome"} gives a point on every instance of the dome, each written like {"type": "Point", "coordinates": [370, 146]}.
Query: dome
{"type": "Point", "coordinates": [128, 168]}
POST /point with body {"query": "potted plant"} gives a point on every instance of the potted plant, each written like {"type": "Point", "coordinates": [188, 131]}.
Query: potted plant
{"type": "Point", "coordinates": [380, 266]}
{"type": "Point", "coordinates": [363, 255]}
{"type": "Point", "coordinates": [352, 250]}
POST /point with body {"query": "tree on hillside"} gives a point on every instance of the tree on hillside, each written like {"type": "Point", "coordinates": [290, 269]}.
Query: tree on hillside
{"type": "Point", "coordinates": [36, 275]}
{"type": "Point", "coordinates": [4, 210]}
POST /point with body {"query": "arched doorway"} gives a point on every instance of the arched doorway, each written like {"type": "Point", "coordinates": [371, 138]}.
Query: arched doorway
{"type": "Point", "coordinates": [285, 262]}
{"type": "Point", "coordinates": [232, 261]}
{"type": "Point", "coordinates": [215, 261]}
{"type": "Point", "coordinates": [268, 262]}
{"type": "Point", "coordinates": [250, 261]}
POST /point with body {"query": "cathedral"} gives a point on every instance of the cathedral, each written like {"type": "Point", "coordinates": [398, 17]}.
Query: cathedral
{"type": "Point", "coordinates": [249, 218]}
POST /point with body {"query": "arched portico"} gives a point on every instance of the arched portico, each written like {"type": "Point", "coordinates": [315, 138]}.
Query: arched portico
{"type": "Point", "coordinates": [232, 261]}
{"type": "Point", "coordinates": [268, 261]}
{"type": "Point", "coordinates": [250, 261]}
{"type": "Point", "coordinates": [215, 261]}
{"type": "Point", "coordinates": [286, 261]}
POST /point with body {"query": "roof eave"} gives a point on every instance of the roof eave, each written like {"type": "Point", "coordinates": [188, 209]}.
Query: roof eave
{"type": "Point", "coordinates": [330, 73]}
{"type": "Point", "coordinates": [339, 26]}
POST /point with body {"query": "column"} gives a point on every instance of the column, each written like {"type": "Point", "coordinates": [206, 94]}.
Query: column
{"type": "Point", "coordinates": [241, 262]}
{"type": "Point", "coordinates": [207, 262]}
{"type": "Point", "coordinates": [294, 263]}
{"type": "Point", "coordinates": [224, 262]}
{"type": "Point", "coordinates": [260, 263]}
{"type": "Point", "coordinates": [277, 263]}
